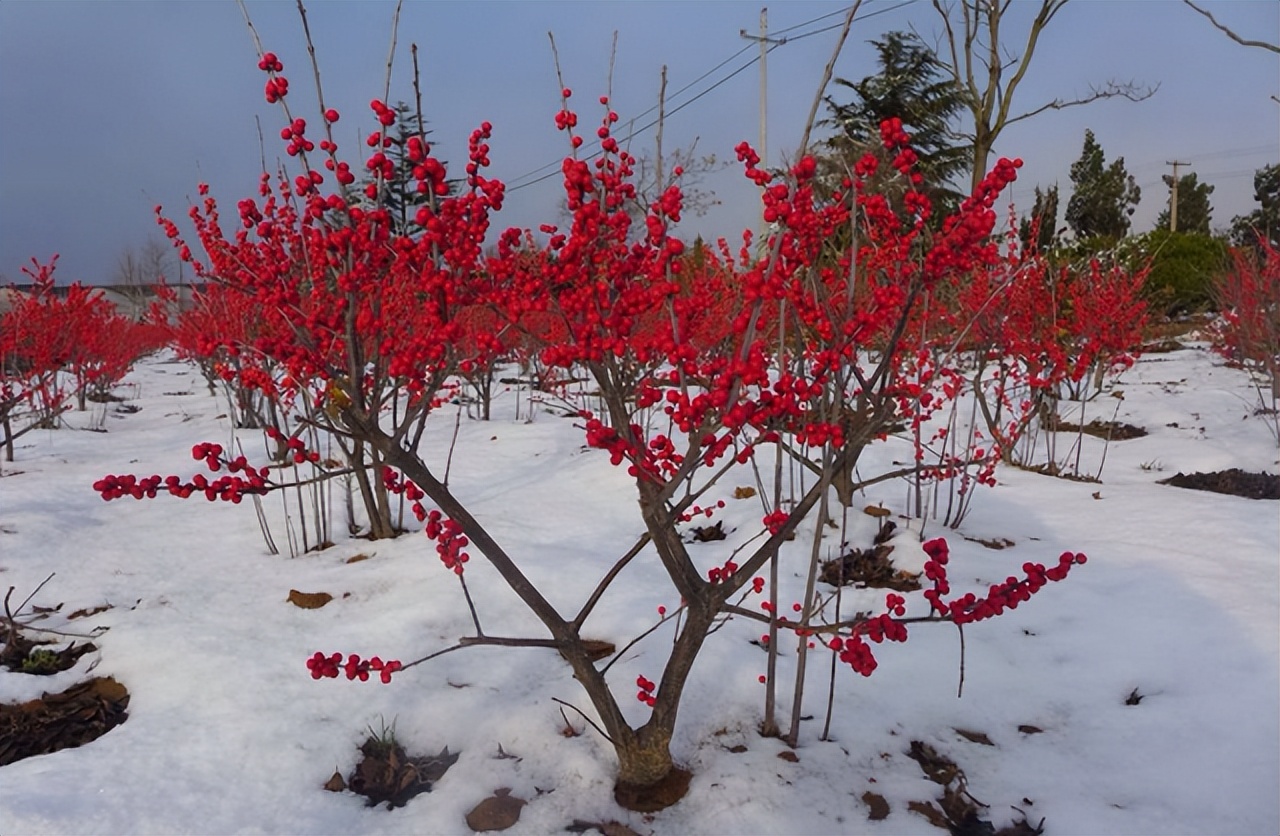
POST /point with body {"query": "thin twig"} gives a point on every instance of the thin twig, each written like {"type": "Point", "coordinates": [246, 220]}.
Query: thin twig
{"type": "Point", "coordinates": [640, 637]}
{"type": "Point", "coordinates": [475, 618]}
{"type": "Point", "coordinates": [391, 52]}
{"type": "Point", "coordinates": [590, 722]}
{"type": "Point", "coordinates": [473, 641]}
{"type": "Point", "coordinates": [431, 656]}
{"type": "Point", "coordinates": [826, 78]}
{"type": "Point", "coordinates": [26, 600]}
{"type": "Point", "coordinates": [453, 443]}
{"type": "Point", "coordinates": [506, 641]}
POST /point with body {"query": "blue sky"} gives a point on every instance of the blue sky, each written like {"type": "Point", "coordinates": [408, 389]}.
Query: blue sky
{"type": "Point", "coordinates": [108, 108]}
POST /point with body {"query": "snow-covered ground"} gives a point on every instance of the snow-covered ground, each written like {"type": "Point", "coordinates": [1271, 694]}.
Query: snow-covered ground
{"type": "Point", "coordinates": [227, 733]}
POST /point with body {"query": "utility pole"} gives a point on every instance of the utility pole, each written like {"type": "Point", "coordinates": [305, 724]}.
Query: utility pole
{"type": "Point", "coordinates": [1173, 195]}
{"type": "Point", "coordinates": [764, 41]}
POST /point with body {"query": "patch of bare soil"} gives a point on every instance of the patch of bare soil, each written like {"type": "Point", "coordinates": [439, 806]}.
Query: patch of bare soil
{"type": "Point", "coordinates": [1164, 346]}
{"type": "Point", "coordinates": [22, 655]}
{"type": "Point", "coordinates": [869, 567]}
{"type": "Point", "coordinates": [1235, 482]}
{"type": "Point", "coordinates": [957, 811]}
{"type": "Point", "coordinates": [1114, 430]}
{"type": "Point", "coordinates": [386, 773]}
{"type": "Point", "coordinates": [1167, 328]}
{"type": "Point", "coordinates": [65, 720]}
{"type": "Point", "coordinates": [1052, 469]}
{"type": "Point", "coordinates": [708, 533]}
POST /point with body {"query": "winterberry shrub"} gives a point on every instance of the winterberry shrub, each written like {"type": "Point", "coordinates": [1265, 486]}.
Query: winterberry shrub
{"type": "Point", "coordinates": [698, 363]}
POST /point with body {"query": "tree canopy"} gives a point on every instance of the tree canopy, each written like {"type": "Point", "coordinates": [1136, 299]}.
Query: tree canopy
{"type": "Point", "coordinates": [1265, 220]}
{"type": "Point", "coordinates": [1103, 197]}
{"type": "Point", "coordinates": [911, 85]}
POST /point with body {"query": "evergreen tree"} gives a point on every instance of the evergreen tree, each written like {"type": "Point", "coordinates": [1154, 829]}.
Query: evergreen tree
{"type": "Point", "coordinates": [1104, 196]}
{"type": "Point", "coordinates": [1263, 221]}
{"type": "Point", "coordinates": [911, 86]}
{"type": "Point", "coordinates": [401, 196]}
{"type": "Point", "coordinates": [1194, 211]}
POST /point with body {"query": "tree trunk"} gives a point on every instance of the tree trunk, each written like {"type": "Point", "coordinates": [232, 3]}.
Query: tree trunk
{"type": "Point", "coordinates": [380, 527]}
{"type": "Point", "coordinates": [982, 142]}
{"type": "Point", "coordinates": [645, 759]}
{"type": "Point", "coordinates": [648, 778]}
{"type": "Point", "coordinates": [385, 528]}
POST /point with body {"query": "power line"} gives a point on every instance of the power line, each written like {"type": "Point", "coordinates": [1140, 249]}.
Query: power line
{"type": "Point", "coordinates": [674, 95]}
{"type": "Point", "coordinates": [649, 125]}
{"type": "Point", "coordinates": [1226, 175]}
{"type": "Point", "coordinates": [808, 22]}
{"type": "Point", "coordinates": [1215, 155]}
{"type": "Point", "coordinates": [1235, 152]}
{"type": "Point", "coordinates": [552, 168]}
{"type": "Point", "coordinates": [842, 11]}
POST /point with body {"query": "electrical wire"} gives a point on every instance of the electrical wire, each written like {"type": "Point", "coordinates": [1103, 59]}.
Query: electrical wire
{"type": "Point", "coordinates": [1194, 159]}
{"type": "Point", "coordinates": [649, 125]}
{"type": "Point", "coordinates": [552, 168]}
{"type": "Point", "coordinates": [556, 163]}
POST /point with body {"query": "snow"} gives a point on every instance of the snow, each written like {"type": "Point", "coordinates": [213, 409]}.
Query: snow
{"type": "Point", "coordinates": [227, 733]}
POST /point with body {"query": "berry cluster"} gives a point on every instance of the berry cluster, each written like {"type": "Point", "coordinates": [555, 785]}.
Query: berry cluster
{"type": "Point", "coordinates": [698, 510]}
{"type": "Point", "coordinates": [722, 574]}
{"type": "Point", "coordinates": [228, 488]}
{"type": "Point", "coordinates": [296, 447]}
{"type": "Point", "coordinates": [294, 134]}
{"type": "Point", "coordinates": [1000, 597]}
{"type": "Point", "coordinates": [645, 694]}
{"type": "Point", "coordinates": [322, 666]}
{"type": "Point", "coordinates": [277, 85]}
{"type": "Point", "coordinates": [450, 541]}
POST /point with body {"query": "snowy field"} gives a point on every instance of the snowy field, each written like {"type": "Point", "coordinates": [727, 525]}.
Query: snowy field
{"type": "Point", "coordinates": [227, 733]}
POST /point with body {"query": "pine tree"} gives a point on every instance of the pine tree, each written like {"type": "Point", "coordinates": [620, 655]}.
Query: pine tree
{"type": "Point", "coordinates": [911, 86]}
{"type": "Point", "coordinates": [402, 197]}
{"type": "Point", "coordinates": [1104, 196]}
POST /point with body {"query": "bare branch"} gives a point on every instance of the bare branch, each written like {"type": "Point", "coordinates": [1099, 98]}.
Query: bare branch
{"type": "Point", "coordinates": [977, 47]}
{"type": "Point", "coordinates": [473, 641]}
{"type": "Point", "coordinates": [608, 579]}
{"type": "Point", "coordinates": [1229, 33]}
{"type": "Point", "coordinates": [1113, 90]}
{"type": "Point", "coordinates": [674, 614]}
{"type": "Point", "coordinates": [826, 77]}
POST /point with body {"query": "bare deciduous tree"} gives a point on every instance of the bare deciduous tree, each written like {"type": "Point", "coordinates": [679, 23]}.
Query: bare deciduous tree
{"type": "Point", "coordinates": [988, 73]}
{"type": "Point", "coordinates": [139, 271]}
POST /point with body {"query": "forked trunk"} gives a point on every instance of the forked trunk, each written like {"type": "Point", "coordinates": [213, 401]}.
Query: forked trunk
{"type": "Point", "coordinates": [648, 778]}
